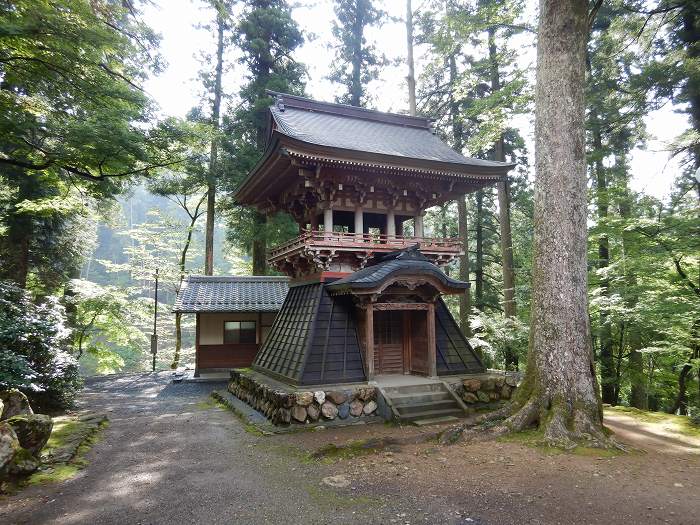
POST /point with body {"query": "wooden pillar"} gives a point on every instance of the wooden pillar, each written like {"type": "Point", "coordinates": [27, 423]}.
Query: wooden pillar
{"type": "Point", "coordinates": [359, 221]}
{"type": "Point", "coordinates": [196, 347]}
{"type": "Point", "coordinates": [314, 221]}
{"type": "Point", "coordinates": [258, 329]}
{"type": "Point", "coordinates": [369, 340]}
{"type": "Point", "coordinates": [432, 344]}
{"type": "Point", "coordinates": [328, 218]}
{"type": "Point", "coordinates": [418, 225]}
{"type": "Point", "coordinates": [390, 223]}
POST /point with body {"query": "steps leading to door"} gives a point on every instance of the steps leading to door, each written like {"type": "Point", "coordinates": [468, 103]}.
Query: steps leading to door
{"type": "Point", "coordinates": [422, 403]}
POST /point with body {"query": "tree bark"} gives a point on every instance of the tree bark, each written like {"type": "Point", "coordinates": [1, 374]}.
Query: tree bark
{"type": "Point", "coordinates": [411, 78]}
{"type": "Point", "coordinates": [559, 391]}
{"type": "Point", "coordinates": [465, 298]}
{"type": "Point", "coordinates": [213, 152]}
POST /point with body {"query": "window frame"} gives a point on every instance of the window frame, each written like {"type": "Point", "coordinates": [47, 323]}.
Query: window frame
{"type": "Point", "coordinates": [241, 330]}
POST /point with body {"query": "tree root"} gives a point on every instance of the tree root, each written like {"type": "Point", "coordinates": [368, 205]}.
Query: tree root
{"type": "Point", "coordinates": [562, 428]}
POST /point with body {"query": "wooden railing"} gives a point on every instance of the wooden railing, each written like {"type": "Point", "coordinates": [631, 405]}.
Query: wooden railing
{"type": "Point", "coordinates": [365, 241]}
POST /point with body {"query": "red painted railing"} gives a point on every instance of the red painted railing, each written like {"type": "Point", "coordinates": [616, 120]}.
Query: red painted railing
{"type": "Point", "coordinates": [365, 241]}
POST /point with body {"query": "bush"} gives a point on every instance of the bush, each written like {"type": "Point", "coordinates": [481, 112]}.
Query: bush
{"type": "Point", "coordinates": [34, 349]}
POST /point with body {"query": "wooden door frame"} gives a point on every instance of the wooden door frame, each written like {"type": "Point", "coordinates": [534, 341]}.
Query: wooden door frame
{"type": "Point", "coordinates": [429, 308]}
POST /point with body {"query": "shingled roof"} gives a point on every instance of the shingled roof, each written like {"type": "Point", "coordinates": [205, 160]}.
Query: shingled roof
{"type": "Point", "coordinates": [408, 262]}
{"type": "Point", "coordinates": [200, 293]}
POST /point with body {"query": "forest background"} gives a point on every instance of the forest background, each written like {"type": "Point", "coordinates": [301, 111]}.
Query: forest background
{"type": "Point", "coordinates": [126, 125]}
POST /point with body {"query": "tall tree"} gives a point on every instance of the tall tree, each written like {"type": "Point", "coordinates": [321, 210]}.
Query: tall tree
{"type": "Point", "coordinates": [268, 37]}
{"type": "Point", "coordinates": [213, 86]}
{"type": "Point", "coordinates": [559, 390]}
{"type": "Point", "coordinates": [356, 60]}
{"type": "Point", "coordinates": [411, 77]}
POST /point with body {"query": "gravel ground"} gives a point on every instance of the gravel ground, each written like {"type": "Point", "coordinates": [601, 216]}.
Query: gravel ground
{"type": "Point", "coordinates": [171, 456]}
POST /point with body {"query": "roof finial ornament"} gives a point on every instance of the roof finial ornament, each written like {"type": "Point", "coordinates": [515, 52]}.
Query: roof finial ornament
{"type": "Point", "coordinates": [280, 103]}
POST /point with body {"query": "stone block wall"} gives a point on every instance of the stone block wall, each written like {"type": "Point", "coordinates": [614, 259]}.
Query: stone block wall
{"type": "Point", "coordinates": [485, 390]}
{"type": "Point", "coordinates": [283, 407]}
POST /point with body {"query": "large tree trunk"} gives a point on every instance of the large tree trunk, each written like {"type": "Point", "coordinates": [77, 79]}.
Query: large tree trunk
{"type": "Point", "coordinates": [559, 392]}
{"type": "Point", "coordinates": [213, 153]}
{"type": "Point", "coordinates": [411, 78]}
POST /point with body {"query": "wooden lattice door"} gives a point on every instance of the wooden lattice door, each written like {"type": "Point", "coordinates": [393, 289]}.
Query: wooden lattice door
{"type": "Point", "coordinates": [388, 342]}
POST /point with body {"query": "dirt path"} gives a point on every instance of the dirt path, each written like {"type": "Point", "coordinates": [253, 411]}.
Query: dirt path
{"type": "Point", "coordinates": [170, 456]}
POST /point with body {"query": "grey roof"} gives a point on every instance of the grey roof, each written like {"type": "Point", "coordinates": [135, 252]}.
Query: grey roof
{"type": "Point", "coordinates": [363, 130]}
{"type": "Point", "coordinates": [201, 293]}
{"type": "Point", "coordinates": [404, 262]}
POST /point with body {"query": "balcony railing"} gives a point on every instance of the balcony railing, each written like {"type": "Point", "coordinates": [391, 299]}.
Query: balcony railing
{"type": "Point", "coordinates": [365, 242]}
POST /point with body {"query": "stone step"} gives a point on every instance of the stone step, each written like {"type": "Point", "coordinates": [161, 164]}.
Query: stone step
{"type": "Point", "coordinates": [425, 397]}
{"type": "Point", "coordinates": [431, 406]}
{"type": "Point", "coordinates": [435, 420]}
{"type": "Point", "coordinates": [431, 414]}
{"type": "Point", "coordinates": [421, 388]}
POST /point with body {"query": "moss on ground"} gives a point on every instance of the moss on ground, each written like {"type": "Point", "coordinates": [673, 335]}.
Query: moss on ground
{"type": "Point", "coordinates": [681, 424]}
{"type": "Point", "coordinates": [327, 498]}
{"type": "Point", "coordinates": [331, 452]}
{"type": "Point", "coordinates": [535, 439]}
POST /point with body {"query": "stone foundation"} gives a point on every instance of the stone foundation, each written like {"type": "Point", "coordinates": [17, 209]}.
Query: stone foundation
{"type": "Point", "coordinates": [285, 407]}
{"type": "Point", "coordinates": [484, 390]}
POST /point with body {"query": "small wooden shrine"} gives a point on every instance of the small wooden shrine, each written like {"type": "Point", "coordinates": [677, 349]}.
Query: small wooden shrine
{"type": "Point", "coordinates": [366, 284]}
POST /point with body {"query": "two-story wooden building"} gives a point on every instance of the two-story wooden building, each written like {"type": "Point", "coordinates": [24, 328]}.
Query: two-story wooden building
{"type": "Point", "coordinates": [366, 285]}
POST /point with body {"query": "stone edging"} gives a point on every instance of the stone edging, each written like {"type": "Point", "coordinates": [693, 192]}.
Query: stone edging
{"type": "Point", "coordinates": [349, 405]}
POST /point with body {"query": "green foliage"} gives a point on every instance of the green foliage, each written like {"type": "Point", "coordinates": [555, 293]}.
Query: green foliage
{"type": "Point", "coordinates": [70, 73]}
{"type": "Point", "coordinates": [34, 349]}
{"type": "Point", "coordinates": [106, 328]}
{"type": "Point", "coordinates": [357, 62]}
{"type": "Point", "coordinates": [267, 36]}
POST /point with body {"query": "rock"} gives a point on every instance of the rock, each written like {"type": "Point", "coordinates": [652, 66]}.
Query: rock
{"type": "Point", "coordinates": [24, 463]}
{"type": "Point", "coordinates": [470, 397]}
{"type": "Point", "coordinates": [304, 399]}
{"type": "Point", "coordinates": [33, 431]}
{"type": "Point", "coordinates": [284, 415]}
{"type": "Point", "coordinates": [488, 384]}
{"type": "Point", "coordinates": [494, 396]}
{"type": "Point", "coordinates": [483, 396]}
{"type": "Point", "coordinates": [339, 481]}
{"type": "Point", "coordinates": [9, 446]}
{"type": "Point", "coordinates": [344, 410]}
{"type": "Point", "coordinates": [329, 410]}
{"type": "Point", "coordinates": [15, 403]}
{"type": "Point", "coordinates": [320, 397]}
{"type": "Point", "coordinates": [370, 407]}
{"type": "Point", "coordinates": [506, 391]}
{"type": "Point", "coordinates": [500, 381]}
{"type": "Point", "coordinates": [471, 385]}
{"type": "Point", "coordinates": [367, 394]}
{"type": "Point", "coordinates": [299, 413]}
{"type": "Point", "coordinates": [356, 408]}
{"type": "Point", "coordinates": [313, 411]}
{"type": "Point", "coordinates": [337, 397]}
{"type": "Point", "coordinates": [511, 381]}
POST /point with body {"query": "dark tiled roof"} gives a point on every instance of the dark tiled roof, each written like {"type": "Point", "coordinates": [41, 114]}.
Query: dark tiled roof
{"type": "Point", "coordinates": [404, 262]}
{"type": "Point", "coordinates": [201, 293]}
{"type": "Point", "coordinates": [362, 130]}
